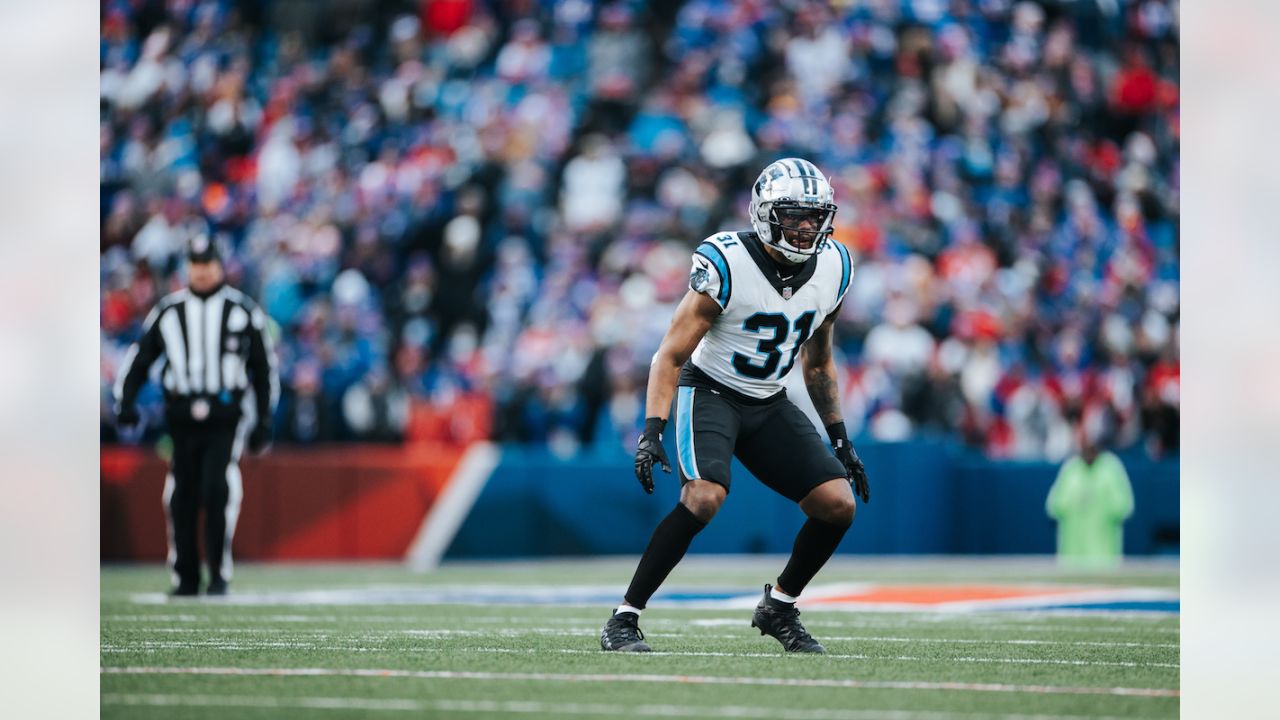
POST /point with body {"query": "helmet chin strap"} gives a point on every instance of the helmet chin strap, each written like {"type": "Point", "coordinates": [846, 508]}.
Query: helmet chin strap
{"type": "Point", "coordinates": [780, 258]}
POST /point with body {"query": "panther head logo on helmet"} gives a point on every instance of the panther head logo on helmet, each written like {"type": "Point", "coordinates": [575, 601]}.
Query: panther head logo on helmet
{"type": "Point", "coordinates": [792, 209]}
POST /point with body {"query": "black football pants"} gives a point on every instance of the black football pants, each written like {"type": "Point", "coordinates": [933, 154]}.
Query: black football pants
{"type": "Point", "coordinates": [204, 474]}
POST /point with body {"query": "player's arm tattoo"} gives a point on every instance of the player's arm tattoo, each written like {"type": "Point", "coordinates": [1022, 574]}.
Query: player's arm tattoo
{"type": "Point", "coordinates": [820, 374]}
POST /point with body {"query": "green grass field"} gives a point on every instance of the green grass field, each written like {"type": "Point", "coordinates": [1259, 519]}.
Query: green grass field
{"type": "Point", "coordinates": [283, 646]}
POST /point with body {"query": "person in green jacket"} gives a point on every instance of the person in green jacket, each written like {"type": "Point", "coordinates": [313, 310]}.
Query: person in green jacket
{"type": "Point", "coordinates": [1091, 499]}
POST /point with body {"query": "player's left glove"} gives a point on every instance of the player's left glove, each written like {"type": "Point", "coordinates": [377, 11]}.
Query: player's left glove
{"type": "Point", "coordinates": [649, 450]}
{"type": "Point", "coordinates": [853, 468]}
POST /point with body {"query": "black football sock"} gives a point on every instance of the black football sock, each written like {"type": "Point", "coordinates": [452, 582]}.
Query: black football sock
{"type": "Point", "coordinates": [669, 543]}
{"type": "Point", "coordinates": [814, 544]}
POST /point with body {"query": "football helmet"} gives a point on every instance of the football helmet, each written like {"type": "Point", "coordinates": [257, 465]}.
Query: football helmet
{"type": "Point", "coordinates": [790, 192]}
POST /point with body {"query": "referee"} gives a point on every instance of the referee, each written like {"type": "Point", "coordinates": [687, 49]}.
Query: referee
{"type": "Point", "coordinates": [215, 347]}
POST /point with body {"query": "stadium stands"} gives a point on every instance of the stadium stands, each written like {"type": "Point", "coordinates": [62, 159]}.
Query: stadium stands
{"type": "Point", "coordinates": [473, 219]}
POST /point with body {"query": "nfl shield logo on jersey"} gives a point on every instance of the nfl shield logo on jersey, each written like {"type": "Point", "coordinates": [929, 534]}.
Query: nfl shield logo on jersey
{"type": "Point", "coordinates": [786, 293]}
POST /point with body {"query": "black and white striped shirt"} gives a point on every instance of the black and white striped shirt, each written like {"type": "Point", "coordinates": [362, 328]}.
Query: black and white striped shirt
{"type": "Point", "coordinates": [215, 347]}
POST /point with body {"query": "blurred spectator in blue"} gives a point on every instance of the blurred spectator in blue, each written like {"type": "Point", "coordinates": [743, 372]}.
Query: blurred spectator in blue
{"type": "Point", "coordinates": [306, 416]}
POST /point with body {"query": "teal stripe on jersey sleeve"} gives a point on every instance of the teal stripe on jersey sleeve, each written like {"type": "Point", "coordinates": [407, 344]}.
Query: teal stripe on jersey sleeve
{"type": "Point", "coordinates": [846, 267]}
{"type": "Point", "coordinates": [716, 257]}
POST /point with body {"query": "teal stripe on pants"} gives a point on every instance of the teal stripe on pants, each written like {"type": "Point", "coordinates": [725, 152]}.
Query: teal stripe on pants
{"type": "Point", "coordinates": [684, 433]}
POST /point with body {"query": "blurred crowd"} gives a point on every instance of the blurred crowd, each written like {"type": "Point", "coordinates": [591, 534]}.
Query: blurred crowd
{"type": "Point", "coordinates": [473, 219]}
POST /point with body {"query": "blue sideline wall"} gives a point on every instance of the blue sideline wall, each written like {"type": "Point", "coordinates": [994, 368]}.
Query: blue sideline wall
{"type": "Point", "coordinates": [927, 497]}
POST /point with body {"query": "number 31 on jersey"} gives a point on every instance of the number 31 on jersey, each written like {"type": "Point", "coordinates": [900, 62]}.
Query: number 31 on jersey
{"type": "Point", "coordinates": [768, 349]}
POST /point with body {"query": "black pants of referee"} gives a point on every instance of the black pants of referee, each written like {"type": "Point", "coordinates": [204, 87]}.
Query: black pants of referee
{"type": "Point", "coordinates": [205, 474]}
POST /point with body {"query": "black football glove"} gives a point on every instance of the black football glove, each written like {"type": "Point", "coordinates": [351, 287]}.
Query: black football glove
{"type": "Point", "coordinates": [260, 438]}
{"type": "Point", "coordinates": [649, 449]}
{"type": "Point", "coordinates": [853, 468]}
{"type": "Point", "coordinates": [127, 417]}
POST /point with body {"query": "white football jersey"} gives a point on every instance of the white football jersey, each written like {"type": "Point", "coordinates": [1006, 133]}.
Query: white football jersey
{"type": "Point", "coordinates": [756, 340]}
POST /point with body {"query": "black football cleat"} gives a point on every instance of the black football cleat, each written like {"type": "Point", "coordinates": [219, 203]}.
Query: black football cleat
{"type": "Point", "coordinates": [782, 621]}
{"type": "Point", "coordinates": [185, 591]}
{"type": "Point", "coordinates": [217, 588]}
{"type": "Point", "coordinates": [622, 634]}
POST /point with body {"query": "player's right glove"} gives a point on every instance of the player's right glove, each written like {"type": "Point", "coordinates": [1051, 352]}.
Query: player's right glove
{"type": "Point", "coordinates": [649, 449]}
{"type": "Point", "coordinates": [127, 417]}
{"type": "Point", "coordinates": [853, 467]}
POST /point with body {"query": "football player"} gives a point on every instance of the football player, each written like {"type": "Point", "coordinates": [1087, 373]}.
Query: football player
{"type": "Point", "coordinates": [757, 302]}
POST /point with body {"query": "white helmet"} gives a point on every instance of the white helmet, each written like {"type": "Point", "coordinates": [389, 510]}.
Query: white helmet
{"type": "Point", "coordinates": [786, 190]}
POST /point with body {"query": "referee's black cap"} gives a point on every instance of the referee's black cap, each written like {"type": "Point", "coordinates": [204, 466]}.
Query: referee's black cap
{"type": "Point", "coordinates": [201, 248]}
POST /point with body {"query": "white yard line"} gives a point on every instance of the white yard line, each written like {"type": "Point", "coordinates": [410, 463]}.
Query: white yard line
{"type": "Point", "coordinates": [559, 709]}
{"type": "Point", "coordinates": [310, 703]}
{"type": "Point", "coordinates": [643, 678]}
{"type": "Point", "coordinates": [321, 634]}
{"type": "Point", "coordinates": [154, 646]}
{"type": "Point", "coordinates": [924, 621]}
{"type": "Point", "coordinates": [876, 658]}
{"type": "Point", "coordinates": [962, 641]}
